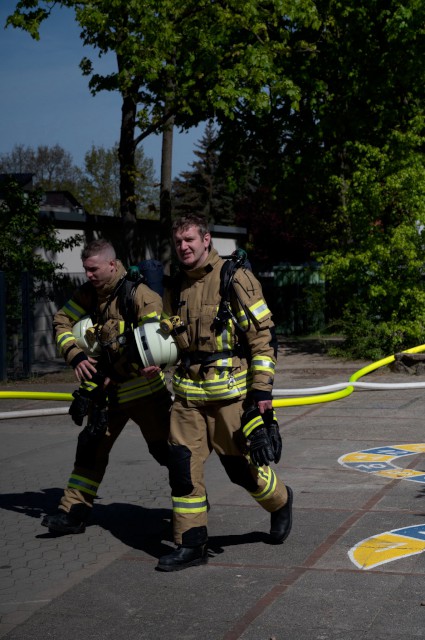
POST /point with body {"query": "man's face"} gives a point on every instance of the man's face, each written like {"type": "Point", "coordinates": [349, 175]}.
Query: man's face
{"type": "Point", "coordinates": [99, 270]}
{"type": "Point", "coordinates": [191, 248]}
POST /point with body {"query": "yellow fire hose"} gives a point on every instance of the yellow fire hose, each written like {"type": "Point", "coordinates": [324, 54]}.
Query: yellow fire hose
{"type": "Point", "coordinates": [346, 390]}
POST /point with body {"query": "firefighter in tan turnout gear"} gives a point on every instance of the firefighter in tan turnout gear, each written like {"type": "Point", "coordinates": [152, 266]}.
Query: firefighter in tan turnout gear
{"type": "Point", "coordinates": [114, 387]}
{"type": "Point", "coordinates": [223, 391]}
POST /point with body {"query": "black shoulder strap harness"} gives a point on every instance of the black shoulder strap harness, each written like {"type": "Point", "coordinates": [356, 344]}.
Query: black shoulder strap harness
{"type": "Point", "coordinates": [125, 290]}
{"type": "Point", "coordinates": [228, 270]}
{"type": "Point", "coordinates": [227, 273]}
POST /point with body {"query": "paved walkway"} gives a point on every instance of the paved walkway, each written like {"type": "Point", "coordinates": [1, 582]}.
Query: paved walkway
{"type": "Point", "coordinates": [103, 584]}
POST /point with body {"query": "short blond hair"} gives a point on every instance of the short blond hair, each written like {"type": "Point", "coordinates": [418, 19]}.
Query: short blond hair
{"type": "Point", "coordinates": [99, 246]}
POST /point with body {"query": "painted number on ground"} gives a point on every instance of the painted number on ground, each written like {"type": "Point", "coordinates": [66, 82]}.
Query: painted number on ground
{"type": "Point", "coordinates": [388, 546]}
{"type": "Point", "coordinates": [398, 543]}
{"type": "Point", "coordinates": [379, 461]}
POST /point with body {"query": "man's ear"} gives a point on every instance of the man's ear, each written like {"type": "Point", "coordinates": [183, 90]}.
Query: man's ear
{"type": "Point", "coordinates": [207, 240]}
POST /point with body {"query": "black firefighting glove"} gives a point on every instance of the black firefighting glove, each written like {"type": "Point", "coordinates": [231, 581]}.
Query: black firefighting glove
{"type": "Point", "coordinates": [270, 420]}
{"type": "Point", "coordinates": [97, 422]}
{"type": "Point", "coordinates": [256, 434]}
{"type": "Point", "coordinates": [79, 407]}
{"type": "Point", "coordinates": [89, 391]}
{"type": "Point", "coordinates": [260, 449]}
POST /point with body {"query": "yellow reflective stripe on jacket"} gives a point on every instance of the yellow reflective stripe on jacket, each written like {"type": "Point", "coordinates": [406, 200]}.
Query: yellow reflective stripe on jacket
{"type": "Point", "coordinates": [73, 310]}
{"type": "Point", "coordinates": [224, 363]}
{"type": "Point", "coordinates": [140, 388]}
{"type": "Point", "coordinates": [242, 320]}
{"type": "Point", "coordinates": [64, 338]}
{"type": "Point", "coordinates": [255, 422]}
{"type": "Point", "coordinates": [189, 505]}
{"type": "Point", "coordinates": [259, 310]}
{"type": "Point", "coordinates": [268, 475]}
{"type": "Point", "coordinates": [225, 341]}
{"type": "Point", "coordinates": [263, 363]}
{"type": "Point", "coordinates": [85, 485]}
{"type": "Point", "coordinates": [220, 388]}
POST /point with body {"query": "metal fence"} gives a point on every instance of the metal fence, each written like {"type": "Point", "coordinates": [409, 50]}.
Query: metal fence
{"type": "Point", "coordinates": [296, 294]}
{"type": "Point", "coordinates": [27, 345]}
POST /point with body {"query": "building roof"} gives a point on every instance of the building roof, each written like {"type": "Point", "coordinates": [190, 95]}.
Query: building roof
{"type": "Point", "coordinates": [24, 180]}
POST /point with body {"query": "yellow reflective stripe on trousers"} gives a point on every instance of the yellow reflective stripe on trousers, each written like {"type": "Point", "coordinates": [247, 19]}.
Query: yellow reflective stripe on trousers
{"type": "Point", "coordinates": [269, 477]}
{"type": "Point", "coordinates": [83, 484]}
{"type": "Point", "coordinates": [197, 504]}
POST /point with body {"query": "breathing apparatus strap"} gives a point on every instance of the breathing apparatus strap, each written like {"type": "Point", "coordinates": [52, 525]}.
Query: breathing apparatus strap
{"type": "Point", "coordinates": [124, 290]}
{"type": "Point", "coordinates": [227, 274]}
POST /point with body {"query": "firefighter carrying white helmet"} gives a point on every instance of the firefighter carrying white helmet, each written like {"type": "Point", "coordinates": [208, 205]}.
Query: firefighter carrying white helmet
{"type": "Point", "coordinates": [154, 346]}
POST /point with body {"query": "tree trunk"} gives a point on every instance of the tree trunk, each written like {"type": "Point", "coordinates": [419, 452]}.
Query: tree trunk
{"type": "Point", "coordinates": [126, 152]}
{"type": "Point", "coordinates": [165, 195]}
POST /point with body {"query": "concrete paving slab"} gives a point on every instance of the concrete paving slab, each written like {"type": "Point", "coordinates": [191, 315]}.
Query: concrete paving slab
{"type": "Point", "coordinates": [103, 584]}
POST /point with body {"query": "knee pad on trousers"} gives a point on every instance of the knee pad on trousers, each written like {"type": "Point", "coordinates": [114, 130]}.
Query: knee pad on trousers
{"type": "Point", "coordinates": [159, 451]}
{"type": "Point", "coordinates": [86, 450]}
{"type": "Point", "coordinates": [237, 468]}
{"type": "Point", "coordinates": [179, 470]}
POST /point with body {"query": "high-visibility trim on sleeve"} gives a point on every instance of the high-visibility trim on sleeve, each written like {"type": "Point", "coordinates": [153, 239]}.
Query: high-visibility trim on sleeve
{"type": "Point", "coordinates": [73, 310]}
{"type": "Point", "coordinates": [263, 363]}
{"type": "Point", "coordinates": [63, 339]}
{"type": "Point", "coordinates": [259, 310]}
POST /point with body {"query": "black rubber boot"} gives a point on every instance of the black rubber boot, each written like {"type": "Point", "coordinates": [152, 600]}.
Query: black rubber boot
{"type": "Point", "coordinates": [191, 553]}
{"type": "Point", "coordinates": [183, 557]}
{"type": "Point", "coordinates": [73, 521]}
{"type": "Point", "coordinates": [281, 521]}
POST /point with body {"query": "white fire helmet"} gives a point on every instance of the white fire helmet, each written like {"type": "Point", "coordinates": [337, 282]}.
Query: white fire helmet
{"type": "Point", "coordinates": [155, 347]}
{"type": "Point", "coordinates": [85, 336]}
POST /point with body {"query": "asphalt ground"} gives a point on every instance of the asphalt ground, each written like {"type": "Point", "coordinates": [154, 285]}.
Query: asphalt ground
{"type": "Point", "coordinates": [103, 584]}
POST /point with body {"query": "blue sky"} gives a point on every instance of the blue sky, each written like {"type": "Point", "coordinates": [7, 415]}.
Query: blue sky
{"type": "Point", "coordinates": [45, 100]}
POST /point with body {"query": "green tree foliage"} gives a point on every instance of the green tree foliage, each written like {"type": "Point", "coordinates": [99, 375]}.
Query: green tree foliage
{"type": "Point", "coordinates": [203, 189]}
{"type": "Point", "coordinates": [24, 238]}
{"type": "Point", "coordinates": [181, 62]}
{"type": "Point", "coordinates": [340, 178]}
{"type": "Point", "coordinates": [377, 276]}
{"type": "Point", "coordinates": [373, 122]}
{"type": "Point", "coordinates": [52, 167]}
{"type": "Point", "coordinates": [25, 235]}
{"type": "Point", "coordinates": [100, 185]}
